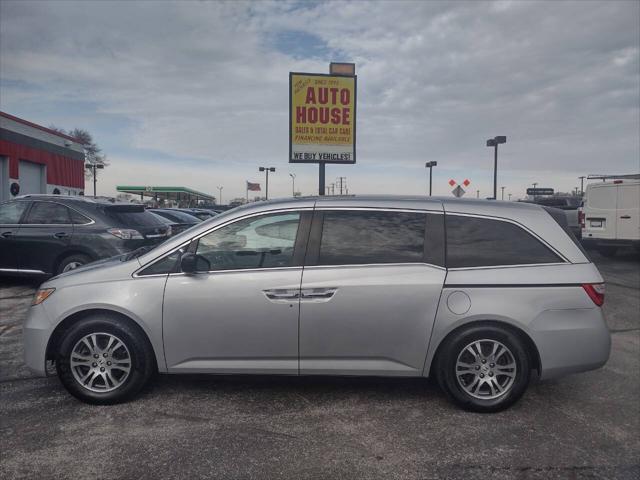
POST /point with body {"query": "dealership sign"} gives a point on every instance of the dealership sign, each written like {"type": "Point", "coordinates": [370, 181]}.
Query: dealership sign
{"type": "Point", "coordinates": [539, 191]}
{"type": "Point", "coordinates": [322, 118]}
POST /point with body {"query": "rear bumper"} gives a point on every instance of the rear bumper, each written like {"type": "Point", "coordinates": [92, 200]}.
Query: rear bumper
{"type": "Point", "coordinates": [571, 341]}
{"type": "Point", "coordinates": [591, 242]}
{"type": "Point", "coordinates": [35, 334]}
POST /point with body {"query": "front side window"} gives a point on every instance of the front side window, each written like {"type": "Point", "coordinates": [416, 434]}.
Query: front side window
{"type": "Point", "coordinates": [483, 242]}
{"type": "Point", "coordinates": [265, 241]}
{"type": "Point", "coordinates": [369, 237]}
{"type": "Point", "coordinates": [48, 213]}
{"type": "Point", "coordinates": [11, 212]}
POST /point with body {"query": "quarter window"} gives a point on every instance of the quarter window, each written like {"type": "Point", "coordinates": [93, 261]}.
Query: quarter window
{"type": "Point", "coordinates": [48, 213]}
{"type": "Point", "coordinates": [362, 237]}
{"type": "Point", "coordinates": [483, 242]}
{"type": "Point", "coordinates": [257, 242]}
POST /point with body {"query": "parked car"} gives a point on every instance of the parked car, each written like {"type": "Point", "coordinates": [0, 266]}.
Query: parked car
{"type": "Point", "coordinates": [201, 213]}
{"type": "Point", "coordinates": [570, 205]}
{"type": "Point", "coordinates": [180, 221]}
{"type": "Point", "coordinates": [335, 286]}
{"type": "Point", "coordinates": [611, 215]}
{"type": "Point", "coordinates": [48, 235]}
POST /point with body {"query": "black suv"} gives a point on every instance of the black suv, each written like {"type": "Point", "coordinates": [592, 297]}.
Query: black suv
{"type": "Point", "coordinates": [51, 234]}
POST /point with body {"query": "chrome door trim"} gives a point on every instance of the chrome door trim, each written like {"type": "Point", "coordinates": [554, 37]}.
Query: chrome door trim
{"type": "Point", "coordinates": [397, 264]}
{"type": "Point", "coordinates": [19, 270]}
{"type": "Point", "coordinates": [381, 209]}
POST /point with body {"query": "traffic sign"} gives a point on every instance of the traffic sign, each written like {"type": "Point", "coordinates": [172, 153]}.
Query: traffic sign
{"type": "Point", "coordinates": [539, 191]}
{"type": "Point", "coordinates": [452, 182]}
{"type": "Point", "coordinates": [458, 191]}
{"type": "Point", "coordinates": [466, 182]}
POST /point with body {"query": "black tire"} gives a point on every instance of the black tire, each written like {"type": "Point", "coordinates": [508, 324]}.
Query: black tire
{"type": "Point", "coordinates": [608, 251]}
{"type": "Point", "coordinates": [76, 258]}
{"type": "Point", "coordinates": [142, 360]}
{"type": "Point", "coordinates": [448, 357]}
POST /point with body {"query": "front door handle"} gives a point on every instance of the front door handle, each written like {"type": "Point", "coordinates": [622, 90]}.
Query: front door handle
{"type": "Point", "coordinates": [61, 235]}
{"type": "Point", "coordinates": [626, 217]}
{"type": "Point", "coordinates": [282, 294]}
{"type": "Point", "coordinates": [7, 234]}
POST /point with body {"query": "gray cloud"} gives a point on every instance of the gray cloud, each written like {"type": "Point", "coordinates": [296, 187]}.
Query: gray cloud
{"type": "Point", "coordinates": [204, 80]}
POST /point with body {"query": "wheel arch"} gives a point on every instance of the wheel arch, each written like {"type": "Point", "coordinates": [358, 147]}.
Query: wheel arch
{"type": "Point", "coordinates": [74, 318]}
{"type": "Point", "coordinates": [529, 344]}
{"type": "Point", "coordinates": [74, 250]}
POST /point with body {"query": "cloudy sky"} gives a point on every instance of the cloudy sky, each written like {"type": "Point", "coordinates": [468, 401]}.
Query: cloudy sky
{"type": "Point", "coordinates": [196, 93]}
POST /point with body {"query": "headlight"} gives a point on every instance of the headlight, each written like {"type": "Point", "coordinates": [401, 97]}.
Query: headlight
{"type": "Point", "coordinates": [41, 295]}
{"type": "Point", "coordinates": [125, 233]}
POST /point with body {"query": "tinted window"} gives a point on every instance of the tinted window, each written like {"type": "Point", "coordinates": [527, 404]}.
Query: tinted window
{"type": "Point", "coordinates": [11, 212]}
{"type": "Point", "coordinates": [48, 213]}
{"type": "Point", "coordinates": [481, 242]}
{"type": "Point", "coordinates": [135, 219]}
{"type": "Point", "coordinates": [361, 237]}
{"type": "Point", "coordinates": [256, 242]}
{"type": "Point", "coordinates": [77, 218]}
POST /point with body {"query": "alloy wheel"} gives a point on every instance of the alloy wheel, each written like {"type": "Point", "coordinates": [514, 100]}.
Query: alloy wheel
{"type": "Point", "coordinates": [100, 362]}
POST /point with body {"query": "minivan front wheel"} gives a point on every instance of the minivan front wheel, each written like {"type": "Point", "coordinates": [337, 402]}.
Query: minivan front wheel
{"type": "Point", "coordinates": [483, 368]}
{"type": "Point", "coordinates": [104, 360]}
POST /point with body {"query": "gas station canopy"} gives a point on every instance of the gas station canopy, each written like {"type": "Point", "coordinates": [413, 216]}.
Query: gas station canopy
{"type": "Point", "coordinates": [179, 194]}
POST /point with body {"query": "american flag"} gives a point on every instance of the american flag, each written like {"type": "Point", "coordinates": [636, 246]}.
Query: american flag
{"type": "Point", "coordinates": [254, 187]}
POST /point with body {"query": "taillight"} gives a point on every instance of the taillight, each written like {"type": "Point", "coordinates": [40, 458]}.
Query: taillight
{"type": "Point", "coordinates": [581, 218]}
{"type": "Point", "coordinates": [595, 292]}
{"type": "Point", "coordinates": [126, 233]}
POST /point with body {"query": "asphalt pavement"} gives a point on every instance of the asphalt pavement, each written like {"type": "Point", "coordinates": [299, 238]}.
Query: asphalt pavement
{"type": "Point", "coordinates": [197, 426]}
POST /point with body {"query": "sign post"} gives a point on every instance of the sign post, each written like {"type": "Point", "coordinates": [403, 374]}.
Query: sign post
{"type": "Point", "coordinates": [322, 118]}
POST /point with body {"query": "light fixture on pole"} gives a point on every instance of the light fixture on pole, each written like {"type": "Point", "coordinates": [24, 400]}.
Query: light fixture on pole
{"type": "Point", "coordinates": [220, 196]}
{"type": "Point", "coordinates": [494, 142]}
{"type": "Point", "coordinates": [502, 194]}
{"type": "Point", "coordinates": [266, 170]}
{"type": "Point", "coordinates": [293, 184]}
{"type": "Point", "coordinates": [92, 167]}
{"type": "Point", "coordinates": [430, 166]}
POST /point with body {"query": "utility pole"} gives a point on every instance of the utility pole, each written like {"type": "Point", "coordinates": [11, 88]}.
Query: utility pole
{"type": "Point", "coordinates": [494, 142]}
{"type": "Point", "coordinates": [293, 186]}
{"type": "Point", "coordinates": [502, 195]}
{"type": "Point", "coordinates": [582, 185]}
{"type": "Point", "coordinates": [266, 170]}
{"type": "Point", "coordinates": [430, 166]}
{"type": "Point", "coordinates": [333, 188]}
{"type": "Point", "coordinates": [509, 197]}
{"type": "Point", "coordinates": [477, 193]}
{"type": "Point", "coordinates": [341, 183]}
{"type": "Point", "coordinates": [220, 196]}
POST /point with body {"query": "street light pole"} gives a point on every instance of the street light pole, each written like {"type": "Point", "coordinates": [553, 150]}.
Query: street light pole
{"type": "Point", "coordinates": [430, 166]}
{"type": "Point", "coordinates": [502, 194]}
{"type": "Point", "coordinates": [582, 185]}
{"type": "Point", "coordinates": [293, 186]}
{"type": "Point", "coordinates": [509, 197]}
{"type": "Point", "coordinates": [494, 142]}
{"type": "Point", "coordinates": [266, 170]}
{"type": "Point", "coordinates": [220, 196]}
{"type": "Point", "coordinates": [93, 167]}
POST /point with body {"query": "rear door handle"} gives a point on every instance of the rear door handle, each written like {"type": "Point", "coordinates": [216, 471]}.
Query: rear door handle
{"type": "Point", "coordinates": [318, 294]}
{"type": "Point", "coordinates": [626, 216]}
{"type": "Point", "coordinates": [7, 234]}
{"type": "Point", "coordinates": [61, 235]}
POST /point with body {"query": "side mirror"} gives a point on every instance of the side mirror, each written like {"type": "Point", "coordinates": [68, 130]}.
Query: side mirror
{"type": "Point", "coordinates": [192, 263]}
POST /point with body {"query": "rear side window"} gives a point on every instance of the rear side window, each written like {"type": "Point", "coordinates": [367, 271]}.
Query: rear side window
{"type": "Point", "coordinates": [77, 218]}
{"type": "Point", "coordinates": [48, 213]}
{"type": "Point", "coordinates": [361, 237]}
{"type": "Point", "coordinates": [135, 219]}
{"type": "Point", "coordinates": [483, 242]}
{"type": "Point", "coordinates": [11, 212]}
{"type": "Point", "coordinates": [561, 219]}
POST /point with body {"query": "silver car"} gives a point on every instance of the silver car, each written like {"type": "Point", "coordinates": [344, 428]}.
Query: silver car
{"type": "Point", "coordinates": [477, 293]}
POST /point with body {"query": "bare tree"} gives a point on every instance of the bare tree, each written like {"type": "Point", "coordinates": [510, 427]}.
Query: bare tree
{"type": "Point", "coordinates": [93, 153]}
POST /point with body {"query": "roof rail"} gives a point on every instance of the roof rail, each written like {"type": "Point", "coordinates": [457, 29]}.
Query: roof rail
{"type": "Point", "coordinates": [629, 176]}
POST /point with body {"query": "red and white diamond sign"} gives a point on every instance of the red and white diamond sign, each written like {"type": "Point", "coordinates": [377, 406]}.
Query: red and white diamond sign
{"type": "Point", "coordinates": [452, 182]}
{"type": "Point", "coordinates": [466, 182]}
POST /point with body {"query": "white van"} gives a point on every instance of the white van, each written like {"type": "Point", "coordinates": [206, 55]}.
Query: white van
{"type": "Point", "coordinates": [611, 215]}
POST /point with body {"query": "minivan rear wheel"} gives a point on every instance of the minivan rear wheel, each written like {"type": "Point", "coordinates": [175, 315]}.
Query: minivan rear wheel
{"type": "Point", "coordinates": [104, 360]}
{"type": "Point", "coordinates": [483, 368]}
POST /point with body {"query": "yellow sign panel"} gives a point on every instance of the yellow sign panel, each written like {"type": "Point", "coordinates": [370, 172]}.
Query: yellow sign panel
{"type": "Point", "coordinates": [322, 118]}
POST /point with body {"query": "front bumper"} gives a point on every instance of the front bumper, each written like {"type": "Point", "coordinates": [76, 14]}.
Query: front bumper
{"type": "Point", "coordinates": [36, 333]}
{"type": "Point", "coordinates": [571, 341]}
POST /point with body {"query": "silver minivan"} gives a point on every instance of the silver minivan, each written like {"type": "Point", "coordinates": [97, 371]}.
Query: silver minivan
{"type": "Point", "coordinates": [476, 293]}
